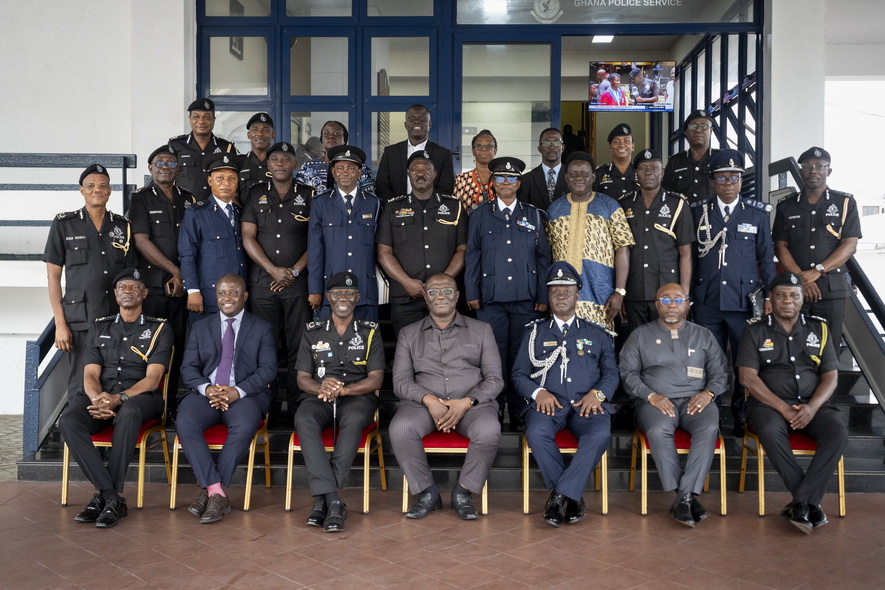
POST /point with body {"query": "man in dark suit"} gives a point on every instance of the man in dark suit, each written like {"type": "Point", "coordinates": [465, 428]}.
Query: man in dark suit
{"type": "Point", "coordinates": [229, 363]}
{"type": "Point", "coordinates": [545, 183]}
{"type": "Point", "coordinates": [393, 180]}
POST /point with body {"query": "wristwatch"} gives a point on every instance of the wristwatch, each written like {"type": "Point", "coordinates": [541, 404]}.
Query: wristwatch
{"type": "Point", "coordinates": [820, 268]}
{"type": "Point", "coordinates": [295, 272]}
{"type": "Point", "coordinates": [473, 401]}
{"type": "Point", "coordinates": [599, 395]}
{"type": "Point", "coordinates": [621, 292]}
{"type": "Point", "coordinates": [123, 397]}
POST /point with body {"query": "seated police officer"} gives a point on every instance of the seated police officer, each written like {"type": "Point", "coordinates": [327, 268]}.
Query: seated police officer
{"type": "Point", "coordinates": [787, 362]}
{"type": "Point", "coordinates": [126, 355]}
{"type": "Point", "coordinates": [566, 367]}
{"type": "Point", "coordinates": [340, 365]}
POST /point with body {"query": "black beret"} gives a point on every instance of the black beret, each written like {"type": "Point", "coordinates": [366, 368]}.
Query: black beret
{"type": "Point", "coordinates": [647, 155]}
{"type": "Point", "coordinates": [202, 104]}
{"type": "Point", "coordinates": [130, 274]}
{"type": "Point", "coordinates": [222, 162]}
{"type": "Point", "coordinates": [619, 130]}
{"type": "Point", "coordinates": [420, 155]}
{"type": "Point", "coordinates": [346, 153]}
{"type": "Point", "coordinates": [698, 114]}
{"type": "Point", "coordinates": [507, 166]}
{"type": "Point", "coordinates": [163, 149]}
{"type": "Point", "coordinates": [635, 72]}
{"type": "Point", "coordinates": [94, 169]}
{"type": "Point", "coordinates": [260, 118]}
{"type": "Point", "coordinates": [563, 273]}
{"type": "Point", "coordinates": [785, 278]}
{"type": "Point", "coordinates": [815, 152]}
{"type": "Point", "coordinates": [726, 161]}
{"type": "Point", "coordinates": [580, 156]}
{"type": "Point", "coordinates": [343, 279]}
{"type": "Point", "coordinates": [282, 146]}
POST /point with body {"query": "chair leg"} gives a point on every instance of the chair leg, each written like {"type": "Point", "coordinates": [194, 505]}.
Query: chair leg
{"type": "Point", "coordinates": [525, 475]}
{"type": "Point", "coordinates": [760, 456]}
{"type": "Point", "coordinates": [381, 464]}
{"type": "Point", "coordinates": [743, 477]}
{"type": "Point", "coordinates": [722, 497]}
{"type": "Point", "coordinates": [173, 482]}
{"type": "Point", "coordinates": [165, 444]}
{"type": "Point", "coordinates": [249, 471]}
{"type": "Point", "coordinates": [485, 498]}
{"type": "Point", "coordinates": [841, 471]}
{"type": "Point", "coordinates": [707, 483]}
{"type": "Point", "coordinates": [267, 474]}
{"type": "Point", "coordinates": [634, 446]}
{"type": "Point", "coordinates": [405, 495]}
{"type": "Point", "coordinates": [604, 469]}
{"type": "Point", "coordinates": [366, 455]}
{"type": "Point", "coordinates": [644, 452]}
{"type": "Point", "coordinates": [289, 472]}
{"type": "Point", "coordinates": [65, 473]}
{"type": "Point", "coordinates": [142, 452]}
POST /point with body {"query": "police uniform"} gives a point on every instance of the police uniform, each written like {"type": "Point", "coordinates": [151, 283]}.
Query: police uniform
{"type": "Point", "coordinates": [343, 240]}
{"type": "Point", "coordinates": [124, 351]}
{"type": "Point", "coordinates": [611, 181]}
{"type": "Point", "coordinates": [790, 365]}
{"type": "Point", "coordinates": [685, 175]}
{"type": "Point", "coordinates": [254, 172]}
{"type": "Point", "coordinates": [567, 365]}
{"type": "Point", "coordinates": [424, 236]}
{"type": "Point", "coordinates": [506, 269]}
{"type": "Point", "coordinates": [191, 157]}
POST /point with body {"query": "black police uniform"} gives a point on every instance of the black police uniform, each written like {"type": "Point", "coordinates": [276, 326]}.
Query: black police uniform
{"type": "Point", "coordinates": [254, 171]}
{"type": "Point", "coordinates": [193, 177]}
{"type": "Point", "coordinates": [612, 182]}
{"type": "Point", "coordinates": [659, 231]}
{"type": "Point", "coordinates": [812, 234]}
{"type": "Point", "coordinates": [110, 344]}
{"type": "Point", "coordinates": [282, 227]}
{"type": "Point", "coordinates": [790, 365]}
{"type": "Point", "coordinates": [91, 259]}
{"type": "Point", "coordinates": [688, 177]}
{"type": "Point", "coordinates": [424, 236]}
{"type": "Point", "coordinates": [349, 357]}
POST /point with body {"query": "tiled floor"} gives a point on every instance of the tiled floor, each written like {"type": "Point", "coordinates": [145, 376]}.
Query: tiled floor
{"type": "Point", "coordinates": [42, 547]}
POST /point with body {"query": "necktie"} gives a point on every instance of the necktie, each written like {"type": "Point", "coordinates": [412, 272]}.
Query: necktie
{"type": "Point", "coordinates": [223, 372]}
{"type": "Point", "coordinates": [551, 183]}
{"type": "Point", "coordinates": [349, 202]}
{"type": "Point", "coordinates": [564, 330]}
{"type": "Point", "coordinates": [507, 214]}
{"type": "Point", "coordinates": [727, 212]}
{"type": "Point", "coordinates": [230, 213]}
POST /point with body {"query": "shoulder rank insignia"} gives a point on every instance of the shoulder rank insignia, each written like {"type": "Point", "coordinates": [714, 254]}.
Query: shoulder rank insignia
{"type": "Point", "coordinates": [368, 324]}
{"type": "Point", "coordinates": [759, 205]}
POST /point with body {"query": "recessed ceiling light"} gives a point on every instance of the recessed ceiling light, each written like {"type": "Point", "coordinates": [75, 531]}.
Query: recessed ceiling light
{"type": "Point", "coordinates": [602, 38]}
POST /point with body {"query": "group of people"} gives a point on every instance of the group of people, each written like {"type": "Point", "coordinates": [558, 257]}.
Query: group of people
{"type": "Point", "coordinates": [504, 286]}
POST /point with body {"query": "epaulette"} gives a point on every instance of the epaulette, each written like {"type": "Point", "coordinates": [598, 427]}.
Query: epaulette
{"type": "Point", "coordinates": [676, 195]}
{"type": "Point", "coordinates": [314, 325]}
{"type": "Point", "coordinates": [841, 194]}
{"type": "Point", "coordinates": [399, 198]}
{"type": "Point", "coordinates": [450, 197]}
{"type": "Point", "coordinates": [199, 204]}
{"type": "Point", "coordinates": [533, 322]}
{"type": "Point", "coordinates": [153, 319]}
{"type": "Point", "coordinates": [368, 324]}
{"type": "Point", "coordinates": [758, 205]}
{"type": "Point", "coordinates": [106, 318]}
{"type": "Point", "coordinates": [611, 333]}
{"type": "Point", "coordinates": [698, 204]}
{"type": "Point", "coordinates": [752, 321]}
{"type": "Point", "coordinates": [65, 214]}
{"type": "Point", "coordinates": [299, 185]}
{"type": "Point", "coordinates": [120, 215]}
{"type": "Point", "coordinates": [178, 137]}
{"type": "Point", "coordinates": [816, 317]}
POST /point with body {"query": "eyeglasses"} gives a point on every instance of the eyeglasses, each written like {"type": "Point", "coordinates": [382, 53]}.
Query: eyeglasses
{"type": "Point", "coordinates": [547, 144]}
{"type": "Point", "coordinates": [721, 180]}
{"type": "Point", "coordinates": [165, 164]}
{"type": "Point", "coordinates": [447, 292]}
{"type": "Point", "coordinates": [669, 300]}
{"type": "Point", "coordinates": [506, 179]}
{"type": "Point", "coordinates": [484, 147]}
{"type": "Point", "coordinates": [818, 167]}
{"type": "Point", "coordinates": [696, 126]}
{"type": "Point", "coordinates": [342, 294]}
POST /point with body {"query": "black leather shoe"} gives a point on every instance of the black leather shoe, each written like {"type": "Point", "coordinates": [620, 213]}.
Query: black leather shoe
{"type": "Point", "coordinates": [681, 510]}
{"type": "Point", "coordinates": [336, 517]}
{"type": "Point", "coordinates": [199, 505]}
{"type": "Point", "coordinates": [424, 506]}
{"type": "Point", "coordinates": [739, 428]}
{"type": "Point", "coordinates": [217, 507]}
{"type": "Point", "coordinates": [817, 516]}
{"type": "Point", "coordinates": [517, 424]}
{"type": "Point", "coordinates": [462, 504]}
{"type": "Point", "coordinates": [318, 513]}
{"type": "Point", "coordinates": [574, 510]}
{"type": "Point", "coordinates": [554, 511]}
{"type": "Point", "coordinates": [797, 514]}
{"type": "Point", "coordinates": [114, 510]}
{"type": "Point", "coordinates": [92, 510]}
{"type": "Point", "coordinates": [698, 512]}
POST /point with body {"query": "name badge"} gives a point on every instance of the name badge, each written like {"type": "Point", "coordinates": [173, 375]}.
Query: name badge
{"type": "Point", "coordinates": [551, 343]}
{"type": "Point", "coordinates": [368, 215]}
{"type": "Point", "coordinates": [696, 372]}
{"type": "Point", "coordinates": [747, 228]}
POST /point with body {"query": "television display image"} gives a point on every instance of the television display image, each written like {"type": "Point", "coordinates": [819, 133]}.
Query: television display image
{"type": "Point", "coordinates": [632, 85]}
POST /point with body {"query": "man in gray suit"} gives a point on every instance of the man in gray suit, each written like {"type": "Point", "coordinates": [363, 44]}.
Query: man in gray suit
{"type": "Point", "coordinates": [447, 374]}
{"type": "Point", "coordinates": [676, 370]}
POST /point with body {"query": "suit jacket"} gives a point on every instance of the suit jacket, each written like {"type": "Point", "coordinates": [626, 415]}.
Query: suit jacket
{"type": "Point", "coordinates": [255, 356]}
{"type": "Point", "coordinates": [533, 189]}
{"type": "Point", "coordinates": [391, 180]}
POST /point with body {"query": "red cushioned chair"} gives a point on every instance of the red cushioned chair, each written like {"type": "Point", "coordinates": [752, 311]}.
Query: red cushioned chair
{"type": "Point", "coordinates": [568, 444]}
{"type": "Point", "coordinates": [215, 437]}
{"type": "Point", "coordinates": [683, 445]}
{"type": "Point", "coordinates": [446, 443]}
{"type": "Point", "coordinates": [801, 444]}
{"type": "Point", "coordinates": [369, 443]}
{"type": "Point", "coordinates": [104, 438]}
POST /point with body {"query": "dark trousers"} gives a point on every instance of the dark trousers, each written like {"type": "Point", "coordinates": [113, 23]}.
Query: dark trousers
{"type": "Point", "coordinates": [77, 356]}
{"type": "Point", "coordinates": [727, 327]}
{"type": "Point", "coordinates": [826, 428]}
{"type": "Point", "coordinates": [832, 310]}
{"type": "Point", "coordinates": [76, 425]}
{"type": "Point", "coordinates": [196, 415]}
{"type": "Point", "coordinates": [508, 322]}
{"type": "Point", "coordinates": [593, 434]}
{"type": "Point", "coordinates": [174, 311]}
{"type": "Point", "coordinates": [327, 474]}
{"type": "Point", "coordinates": [403, 314]}
{"type": "Point", "coordinates": [637, 313]}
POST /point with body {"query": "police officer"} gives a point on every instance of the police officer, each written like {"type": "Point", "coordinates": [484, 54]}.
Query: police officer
{"type": "Point", "coordinates": [419, 235]}
{"type": "Point", "coordinates": [815, 233]}
{"type": "Point", "coordinates": [193, 148]}
{"type": "Point", "coordinates": [340, 365]}
{"type": "Point", "coordinates": [91, 245]}
{"type": "Point", "coordinates": [342, 228]}
{"type": "Point", "coordinates": [209, 243]}
{"type": "Point", "coordinates": [274, 225]}
{"type": "Point", "coordinates": [506, 268]}
{"type": "Point", "coordinates": [664, 232]}
{"type": "Point", "coordinates": [567, 369]}
{"type": "Point", "coordinates": [734, 256]}
{"type": "Point", "coordinates": [126, 356]}
{"type": "Point", "coordinates": [156, 212]}
{"type": "Point", "coordinates": [619, 177]}
{"type": "Point", "coordinates": [260, 131]}
{"type": "Point", "coordinates": [686, 172]}
{"type": "Point", "coordinates": [787, 362]}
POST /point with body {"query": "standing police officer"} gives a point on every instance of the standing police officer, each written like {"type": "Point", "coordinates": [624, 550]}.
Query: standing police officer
{"type": "Point", "coordinates": [506, 266]}
{"type": "Point", "coordinates": [814, 235]}
{"type": "Point", "coordinates": [686, 172]}
{"type": "Point", "coordinates": [192, 148]}
{"type": "Point", "coordinates": [91, 245]}
{"type": "Point", "coordinates": [619, 177]}
{"type": "Point", "coordinates": [260, 132]}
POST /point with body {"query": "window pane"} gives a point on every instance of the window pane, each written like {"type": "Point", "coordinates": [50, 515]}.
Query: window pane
{"type": "Point", "coordinates": [400, 8]}
{"type": "Point", "coordinates": [388, 128]}
{"type": "Point", "coordinates": [238, 7]}
{"type": "Point", "coordinates": [231, 125]}
{"type": "Point", "coordinates": [238, 65]}
{"type": "Point", "coordinates": [318, 7]}
{"type": "Point", "coordinates": [318, 66]}
{"type": "Point", "coordinates": [305, 130]}
{"type": "Point", "coordinates": [400, 66]}
{"type": "Point", "coordinates": [506, 89]}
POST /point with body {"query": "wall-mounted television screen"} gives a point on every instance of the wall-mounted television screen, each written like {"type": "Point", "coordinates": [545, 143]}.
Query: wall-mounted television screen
{"type": "Point", "coordinates": [632, 85]}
